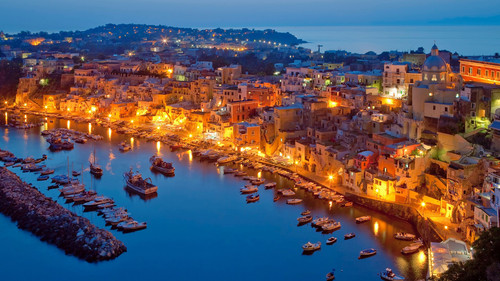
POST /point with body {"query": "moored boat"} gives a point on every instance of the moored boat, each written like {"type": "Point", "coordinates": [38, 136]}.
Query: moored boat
{"type": "Point", "coordinates": [363, 219]}
{"type": "Point", "coordinates": [389, 275]}
{"type": "Point", "coordinates": [412, 248]}
{"type": "Point", "coordinates": [161, 166]}
{"type": "Point", "coordinates": [123, 146]}
{"type": "Point", "coordinates": [249, 189]}
{"type": "Point", "coordinates": [306, 213]}
{"type": "Point", "coordinates": [138, 184]}
{"type": "Point", "coordinates": [330, 275]}
{"type": "Point", "coordinates": [42, 178]}
{"type": "Point", "coordinates": [349, 235]}
{"type": "Point", "coordinates": [47, 172]}
{"type": "Point", "coordinates": [310, 247]}
{"type": "Point", "coordinates": [287, 192]}
{"type": "Point", "coordinates": [95, 170]}
{"type": "Point", "coordinates": [331, 240]}
{"type": "Point", "coordinates": [331, 226]}
{"type": "Point", "coordinates": [305, 219]}
{"type": "Point", "coordinates": [253, 198]}
{"type": "Point", "coordinates": [270, 185]}
{"type": "Point", "coordinates": [293, 201]}
{"type": "Point", "coordinates": [404, 236]}
{"type": "Point", "coordinates": [367, 253]}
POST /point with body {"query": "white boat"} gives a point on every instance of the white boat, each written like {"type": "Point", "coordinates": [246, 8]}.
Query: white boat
{"type": "Point", "coordinates": [270, 185]}
{"type": "Point", "coordinates": [293, 201]}
{"type": "Point", "coordinates": [388, 275]}
{"type": "Point", "coordinates": [138, 184]}
{"type": "Point", "coordinates": [47, 172]}
{"type": "Point", "coordinates": [306, 212]}
{"type": "Point", "coordinates": [321, 221]}
{"type": "Point", "coordinates": [287, 192]}
{"type": "Point", "coordinates": [331, 226]}
{"type": "Point", "coordinates": [363, 219]}
{"type": "Point", "coordinates": [349, 235]}
{"type": "Point", "coordinates": [404, 236]}
{"type": "Point", "coordinates": [131, 225]}
{"type": "Point", "coordinates": [227, 159]}
{"type": "Point", "coordinates": [249, 189]}
{"type": "Point", "coordinates": [412, 248]}
{"type": "Point", "coordinates": [331, 240]}
{"type": "Point", "coordinates": [367, 253]}
{"type": "Point", "coordinates": [72, 189]}
{"type": "Point", "coordinates": [99, 200]}
{"type": "Point", "coordinates": [161, 166]}
{"type": "Point", "coordinates": [309, 247]}
{"type": "Point", "coordinates": [305, 219]}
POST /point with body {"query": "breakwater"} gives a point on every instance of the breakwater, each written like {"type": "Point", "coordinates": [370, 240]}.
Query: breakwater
{"type": "Point", "coordinates": [45, 218]}
{"type": "Point", "coordinates": [424, 227]}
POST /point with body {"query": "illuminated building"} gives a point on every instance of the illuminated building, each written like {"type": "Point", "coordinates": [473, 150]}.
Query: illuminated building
{"type": "Point", "coordinates": [484, 71]}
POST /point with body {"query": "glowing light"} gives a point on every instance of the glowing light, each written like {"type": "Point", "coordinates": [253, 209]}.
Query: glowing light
{"type": "Point", "coordinates": [131, 121]}
{"type": "Point", "coordinates": [5, 102]}
{"type": "Point", "coordinates": [93, 109]}
{"type": "Point", "coordinates": [330, 203]}
{"type": "Point", "coordinates": [446, 227]}
{"type": "Point", "coordinates": [25, 104]}
{"type": "Point", "coordinates": [422, 204]}
{"type": "Point", "coordinates": [158, 127]}
{"type": "Point", "coordinates": [67, 109]}
{"type": "Point", "coordinates": [109, 133]}
{"type": "Point", "coordinates": [90, 128]}
{"type": "Point", "coordinates": [332, 103]}
{"type": "Point", "coordinates": [421, 257]}
{"type": "Point", "coordinates": [46, 107]}
{"type": "Point", "coordinates": [389, 101]}
{"type": "Point", "coordinates": [68, 123]}
{"type": "Point", "coordinates": [132, 142]}
{"type": "Point", "coordinates": [375, 228]}
{"type": "Point", "coordinates": [109, 115]}
{"type": "Point", "coordinates": [330, 177]}
{"type": "Point", "coordinates": [170, 70]}
{"type": "Point", "coordinates": [158, 146]}
{"type": "Point", "coordinates": [259, 175]}
{"type": "Point", "coordinates": [190, 135]}
{"type": "Point", "coordinates": [190, 154]}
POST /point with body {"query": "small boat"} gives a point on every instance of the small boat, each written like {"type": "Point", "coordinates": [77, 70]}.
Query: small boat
{"type": "Point", "coordinates": [276, 198]}
{"type": "Point", "coordinates": [330, 275]}
{"type": "Point", "coordinates": [123, 146]}
{"type": "Point", "coordinates": [331, 240]}
{"type": "Point", "coordinates": [287, 192]}
{"type": "Point", "coordinates": [347, 204]}
{"type": "Point", "coordinates": [258, 181]}
{"type": "Point", "coordinates": [363, 219]}
{"type": "Point", "coordinates": [226, 159]}
{"type": "Point", "coordinates": [249, 189]}
{"type": "Point", "coordinates": [228, 170]}
{"type": "Point", "coordinates": [404, 236]}
{"type": "Point", "coordinates": [310, 247]}
{"type": "Point", "coordinates": [294, 201]}
{"type": "Point", "coordinates": [240, 174]}
{"type": "Point", "coordinates": [75, 173]}
{"type": "Point", "coordinates": [131, 225]}
{"type": "Point", "coordinates": [42, 178]}
{"type": "Point", "coordinates": [8, 164]}
{"type": "Point", "coordinates": [95, 170]}
{"type": "Point", "coordinates": [270, 185]}
{"type": "Point", "coordinates": [253, 198]}
{"type": "Point", "coordinates": [99, 200]}
{"type": "Point", "coordinates": [305, 219]}
{"type": "Point", "coordinates": [412, 248]}
{"type": "Point", "coordinates": [161, 166]}
{"type": "Point", "coordinates": [349, 235]}
{"type": "Point", "coordinates": [331, 226]}
{"type": "Point", "coordinates": [320, 221]}
{"type": "Point", "coordinates": [367, 253]}
{"type": "Point", "coordinates": [138, 184]}
{"type": "Point", "coordinates": [388, 275]}
{"type": "Point", "coordinates": [306, 213]}
{"type": "Point", "coordinates": [17, 165]}
{"type": "Point", "coordinates": [46, 172]}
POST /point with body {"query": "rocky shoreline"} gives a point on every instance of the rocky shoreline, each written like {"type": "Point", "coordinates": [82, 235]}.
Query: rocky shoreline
{"type": "Point", "coordinates": [45, 218]}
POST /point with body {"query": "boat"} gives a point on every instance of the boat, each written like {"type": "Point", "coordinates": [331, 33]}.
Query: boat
{"type": "Point", "coordinates": [258, 181]}
{"type": "Point", "coordinates": [412, 248]}
{"type": "Point", "coordinates": [123, 146]}
{"type": "Point", "coordinates": [131, 225]}
{"type": "Point", "coordinates": [240, 174]}
{"type": "Point", "coordinates": [305, 219]}
{"type": "Point", "coordinates": [72, 189]}
{"type": "Point", "coordinates": [228, 170]}
{"type": "Point", "coordinates": [306, 213]}
{"type": "Point", "coordinates": [85, 196]}
{"type": "Point", "coordinates": [389, 275]}
{"type": "Point", "coordinates": [161, 166]}
{"type": "Point", "coordinates": [270, 185]}
{"type": "Point", "coordinates": [404, 236]}
{"type": "Point", "coordinates": [81, 140]}
{"type": "Point", "coordinates": [99, 200]}
{"type": "Point", "coordinates": [363, 219]}
{"type": "Point", "coordinates": [75, 173]}
{"type": "Point", "coordinates": [138, 184]}
{"type": "Point", "coordinates": [42, 178]}
{"type": "Point", "coordinates": [349, 235]}
{"type": "Point", "coordinates": [347, 204]}
{"type": "Point", "coordinates": [287, 192]}
{"type": "Point", "coordinates": [330, 275]}
{"type": "Point", "coordinates": [367, 253]}
{"type": "Point", "coordinates": [276, 198]}
{"type": "Point", "coordinates": [226, 159]}
{"type": "Point", "coordinates": [320, 221]}
{"type": "Point", "coordinates": [253, 198]}
{"type": "Point", "coordinates": [293, 201]}
{"type": "Point", "coordinates": [331, 240]}
{"type": "Point", "coordinates": [47, 172]}
{"type": "Point", "coordinates": [331, 226]}
{"type": "Point", "coordinates": [310, 247]}
{"type": "Point", "coordinates": [249, 189]}
{"type": "Point", "coordinates": [95, 170]}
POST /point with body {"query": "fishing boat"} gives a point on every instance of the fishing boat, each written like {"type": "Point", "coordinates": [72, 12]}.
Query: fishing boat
{"type": "Point", "coordinates": [226, 159]}
{"type": "Point", "coordinates": [253, 198]}
{"type": "Point", "coordinates": [330, 275]}
{"type": "Point", "coordinates": [249, 189]}
{"type": "Point", "coordinates": [363, 219]}
{"type": "Point", "coordinates": [293, 201]}
{"type": "Point", "coordinates": [404, 236]}
{"type": "Point", "coordinates": [306, 213]}
{"type": "Point", "coordinates": [123, 146]}
{"type": "Point", "coordinates": [349, 235]}
{"type": "Point", "coordinates": [311, 247]}
{"type": "Point", "coordinates": [331, 240]}
{"type": "Point", "coordinates": [389, 275]}
{"type": "Point", "coordinates": [258, 181]}
{"type": "Point", "coordinates": [287, 192]}
{"type": "Point", "coordinates": [42, 178]}
{"type": "Point", "coordinates": [270, 185]}
{"type": "Point", "coordinates": [367, 253]}
{"type": "Point", "coordinates": [331, 226]}
{"type": "Point", "coordinates": [47, 172]}
{"type": "Point", "coordinates": [138, 184]}
{"type": "Point", "coordinates": [412, 248]}
{"type": "Point", "coordinates": [161, 166]}
{"type": "Point", "coordinates": [305, 219]}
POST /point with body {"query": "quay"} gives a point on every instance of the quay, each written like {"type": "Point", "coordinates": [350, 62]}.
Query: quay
{"type": "Point", "coordinates": [45, 218]}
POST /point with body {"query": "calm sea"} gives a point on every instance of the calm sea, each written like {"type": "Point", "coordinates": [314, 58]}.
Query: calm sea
{"type": "Point", "coordinates": [199, 226]}
{"type": "Point", "coordinates": [466, 40]}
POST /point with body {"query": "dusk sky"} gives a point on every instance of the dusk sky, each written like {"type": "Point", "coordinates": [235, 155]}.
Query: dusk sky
{"type": "Point", "coordinates": [55, 15]}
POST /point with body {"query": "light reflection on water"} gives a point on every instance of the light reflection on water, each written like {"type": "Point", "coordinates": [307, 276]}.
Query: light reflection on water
{"type": "Point", "coordinates": [200, 202]}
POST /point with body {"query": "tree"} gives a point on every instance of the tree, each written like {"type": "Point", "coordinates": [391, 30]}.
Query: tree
{"type": "Point", "coordinates": [485, 266]}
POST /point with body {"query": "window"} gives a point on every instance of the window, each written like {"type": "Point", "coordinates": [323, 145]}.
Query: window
{"type": "Point", "coordinates": [492, 74]}
{"type": "Point", "coordinates": [473, 105]}
{"type": "Point", "coordinates": [470, 70]}
{"type": "Point", "coordinates": [478, 71]}
{"type": "Point", "coordinates": [434, 78]}
{"type": "Point", "coordinates": [463, 69]}
{"type": "Point", "coordinates": [398, 81]}
{"type": "Point", "coordinates": [486, 73]}
{"type": "Point", "coordinates": [446, 109]}
{"type": "Point", "coordinates": [433, 107]}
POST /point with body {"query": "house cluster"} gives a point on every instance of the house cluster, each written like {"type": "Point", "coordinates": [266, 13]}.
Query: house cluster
{"type": "Point", "coordinates": [413, 129]}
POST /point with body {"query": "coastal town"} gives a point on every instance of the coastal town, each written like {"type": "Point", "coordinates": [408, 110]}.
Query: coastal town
{"type": "Point", "coordinates": [414, 135]}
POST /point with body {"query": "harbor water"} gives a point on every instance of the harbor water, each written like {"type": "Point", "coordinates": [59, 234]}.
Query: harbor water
{"type": "Point", "coordinates": [199, 225]}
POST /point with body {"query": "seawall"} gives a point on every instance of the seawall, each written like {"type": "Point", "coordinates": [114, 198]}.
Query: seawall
{"type": "Point", "coordinates": [53, 223]}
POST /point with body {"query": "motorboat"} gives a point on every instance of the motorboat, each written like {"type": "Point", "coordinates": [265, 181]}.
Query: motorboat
{"type": "Point", "coordinates": [287, 192]}
{"type": "Point", "coordinates": [258, 181]}
{"type": "Point", "coordinates": [331, 226]}
{"type": "Point", "coordinates": [306, 213]}
{"type": "Point", "coordinates": [240, 174]}
{"type": "Point", "coordinates": [95, 170]}
{"type": "Point", "coordinates": [99, 200]}
{"type": "Point", "coordinates": [412, 248]}
{"type": "Point", "coordinates": [330, 275]}
{"type": "Point", "coordinates": [367, 253]}
{"type": "Point", "coordinates": [131, 225]}
{"type": "Point", "coordinates": [161, 166]}
{"type": "Point", "coordinates": [227, 159]}
{"type": "Point", "coordinates": [270, 185]}
{"type": "Point", "coordinates": [363, 219]}
{"type": "Point", "coordinates": [293, 201]}
{"type": "Point", "coordinates": [47, 172]}
{"type": "Point", "coordinates": [123, 147]}
{"type": "Point", "coordinates": [253, 198]}
{"type": "Point", "coordinates": [138, 184]}
{"type": "Point", "coordinates": [42, 178]}
{"type": "Point", "coordinates": [404, 236]}
{"type": "Point", "coordinates": [249, 189]}
{"type": "Point", "coordinates": [331, 240]}
{"type": "Point", "coordinates": [320, 221]}
{"type": "Point", "coordinates": [305, 219]}
{"type": "Point", "coordinates": [72, 189]}
{"type": "Point", "coordinates": [349, 235]}
{"type": "Point", "coordinates": [389, 275]}
{"type": "Point", "coordinates": [310, 247]}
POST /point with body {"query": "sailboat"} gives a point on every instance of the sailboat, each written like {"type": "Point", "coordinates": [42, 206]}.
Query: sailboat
{"type": "Point", "coordinates": [95, 169]}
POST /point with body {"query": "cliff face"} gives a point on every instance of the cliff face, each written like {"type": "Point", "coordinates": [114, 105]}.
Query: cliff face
{"type": "Point", "coordinates": [54, 224]}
